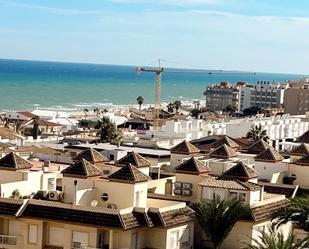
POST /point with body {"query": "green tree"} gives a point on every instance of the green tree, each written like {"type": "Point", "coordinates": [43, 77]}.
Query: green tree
{"type": "Point", "coordinates": [230, 109]}
{"type": "Point", "coordinates": [170, 107]}
{"type": "Point", "coordinates": [140, 101]}
{"type": "Point", "coordinates": [253, 110]}
{"type": "Point", "coordinates": [177, 105]}
{"type": "Point", "coordinates": [256, 133]}
{"type": "Point", "coordinates": [272, 238]}
{"type": "Point", "coordinates": [107, 130]}
{"type": "Point", "coordinates": [35, 128]}
{"type": "Point", "coordinates": [296, 212]}
{"type": "Point", "coordinates": [217, 217]}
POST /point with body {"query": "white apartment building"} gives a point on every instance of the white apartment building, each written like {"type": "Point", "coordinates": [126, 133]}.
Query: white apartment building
{"type": "Point", "coordinates": [263, 94]}
{"type": "Point", "coordinates": [175, 131]}
{"type": "Point", "coordinates": [279, 128]}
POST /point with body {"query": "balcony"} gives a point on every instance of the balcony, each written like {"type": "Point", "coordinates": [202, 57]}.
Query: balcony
{"type": "Point", "coordinates": [11, 242]}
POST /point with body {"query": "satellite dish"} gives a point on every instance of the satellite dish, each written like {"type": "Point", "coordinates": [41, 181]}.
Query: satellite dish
{"type": "Point", "coordinates": [94, 203]}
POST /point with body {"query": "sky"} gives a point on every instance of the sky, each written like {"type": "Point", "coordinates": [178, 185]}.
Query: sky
{"type": "Point", "coordinates": [249, 35]}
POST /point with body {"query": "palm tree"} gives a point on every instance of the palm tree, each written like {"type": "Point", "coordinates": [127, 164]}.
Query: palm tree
{"type": "Point", "coordinates": [217, 217]}
{"type": "Point", "coordinates": [35, 128]}
{"type": "Point", "coordinates": [177, 105]}
{"type": "Point", "coordinates": [117, 139]}
{"type": "Point", "coordinates": [170, 107]}
{"type": "Point", "coordinates": [296, 212]}
{"type": "Point", "coordinates": [86, 112]}
{"type": "Point", "coordinates": [256, 133]}
{"type": "Point", "coordinates": [96, 111]}
{"type": "Point", "coordinates": [140, 101]}
{"type": "Point", "coordinates": [107, 130]}
{"type": "Point", "coordinates": [230, 109]}
{"type": "Point", "coordinates": [272, 238]}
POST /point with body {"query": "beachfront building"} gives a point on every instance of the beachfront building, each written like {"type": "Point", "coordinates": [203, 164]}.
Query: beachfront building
{"type": "Point", "coordinates": [219, 96]}
{"type": "Point", "coordinates": [279, 128]}
{"type": "Point", "coordinates": [91, 211]}
{"type": "Point", "coordinates": [296, 99]}
{"type": "Point", "coordinates": [263, 94]}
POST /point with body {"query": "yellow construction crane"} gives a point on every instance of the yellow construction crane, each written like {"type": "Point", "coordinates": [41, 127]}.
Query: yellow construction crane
{"type": "Point", "coordinates": [158, 71]}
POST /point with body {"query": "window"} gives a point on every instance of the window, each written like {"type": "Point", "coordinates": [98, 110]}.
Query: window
{"type": "Point", "coordinates": [33, 234]}
{"type": "Point", "coordinates": [185, 238]}
{"type": "Point", "coordinates": [242, 197]}
{"type": "Point", "coordinates": [183, 188]}
{"type": "Point", "coordinates": [174, 239]}
{"type": "Point", "coordinates": [233, 195]}
{"type": "Point", "coordinates": [51, 183]}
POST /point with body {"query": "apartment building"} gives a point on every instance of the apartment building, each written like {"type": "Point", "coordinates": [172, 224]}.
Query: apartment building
{"type": "Point", "coordinates": [219, 96]}
{"type": "Point", "coordinates": [87, 209]}
{"type": "Point", "coordinates": [296, 99]}
{"type": "Point", "coordinates": [263, 94]}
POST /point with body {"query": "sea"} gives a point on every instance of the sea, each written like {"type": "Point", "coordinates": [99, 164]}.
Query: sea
{"type": "Point", "coordinates": [31, 84]}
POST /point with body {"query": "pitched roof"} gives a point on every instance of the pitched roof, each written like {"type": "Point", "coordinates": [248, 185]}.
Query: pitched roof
{"type": "Point", "coordinates": [133, 158]}
{"type": "Point", "coordinates": [300, 150]}
{"type": "Point", "coordinates": [267, 211]}
{"type": "Point", "coordinates": [185, 147]}
{"type": "Point", "coordinates": [224, 151]}
{"type": "Point", "coordinates": [192, 166]}
{"type": "Point", "coordinates": [303, 160]}
{"type": "Point", "coordinates": [304, 138]}
{"type": "Point", "coordinates": [240, 171]}
{"type": "Point", "coordinates": [129, 174]}
{"type": "Point", "coordinates": [225, 140]}
{"type": "Point", "coordinates": [235, 184]}
{"type": "Point", "coordinates": [27, 114]}
{"type": "Point", "coordinates": [91, 155]}
{"type": "Point", "coordinates": [13, 161]}
{"type": "Point", "coordinates": [258, 147]}
{"type": "Point", "coordinates": [82, 168]}
{"type": "Point", "coordinates": [269, 155]}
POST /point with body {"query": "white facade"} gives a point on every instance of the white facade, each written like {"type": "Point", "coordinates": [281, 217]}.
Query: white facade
{"type": "Point", "coordinates": [263, 94]}
{"type": "Point", "coordinates": [279, 128]}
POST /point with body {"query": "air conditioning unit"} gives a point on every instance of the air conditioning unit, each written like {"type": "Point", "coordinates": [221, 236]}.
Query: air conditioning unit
{"type": "Point", "coordinates": [54, 195]}
{"type": "Point", "coordinates": [111, 206]}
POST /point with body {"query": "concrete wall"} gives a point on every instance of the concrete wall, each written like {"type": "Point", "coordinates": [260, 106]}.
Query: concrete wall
{"type": "Point", "coordinates": [266, 169]}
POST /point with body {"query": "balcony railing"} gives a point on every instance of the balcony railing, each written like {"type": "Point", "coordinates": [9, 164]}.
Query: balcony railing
{"type": "Point", "coordinates": [8, 240]}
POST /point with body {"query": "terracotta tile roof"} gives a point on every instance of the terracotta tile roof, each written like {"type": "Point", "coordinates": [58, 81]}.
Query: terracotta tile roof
{"type": "Point", "coordinates": [269, 155]}
{"type": "Point", "coordinates": [27, 114]}
{"type": "Point", "coordinates": [225, 140]}
{"type": "Point", "coordinates": [129, 174]}
{"type": "Point", "coordinates": [112, 220]}
{"type": "Point", "coordinates": [266, 212]}
{"type": "Point", "coordinates": [240, 171]}
{"type": "Point", "coordinates": [42, 122]}
{"type": "Point", "coordinates": [224, 151]}
{"type": "Point", "coordinates": [99, 217]}
{"type": "Point", "coordinates": [192, 166]}
{"type": "Point", "coordinates": [258, 147]}
{"type": "Point", "coordinates": [91, 155]}
{"type": "Point", "coordinates": [171, 218]}
{"type": "Point", "coordinates": [235, 184]}
{"type": "Point", "coordinates": [6, 133]}
{"type": "Point", "coordinates": [304, 138]}
{"type": "Point", "coordinates": [133, 158]}
{"type": "Point", "coordinates": [81, 168]}
{"type": "Point", "coordinates": [300, 150]}
{"type": "Point", "coordinates": [185, 147]}
{"type": "Point", "coordinates": [303, 160]}
{"type": "Point", "coordinates": [10, 206]}
{"type": "Point", "coordinates": [13, 161]}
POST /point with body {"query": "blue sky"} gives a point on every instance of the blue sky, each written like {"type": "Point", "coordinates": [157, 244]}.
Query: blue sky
{"type": "Point", "coordinates": [255, 35]}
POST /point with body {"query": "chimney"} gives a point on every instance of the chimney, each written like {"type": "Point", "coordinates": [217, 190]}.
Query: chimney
{"type": "Point", "coordinates": [75, 192]}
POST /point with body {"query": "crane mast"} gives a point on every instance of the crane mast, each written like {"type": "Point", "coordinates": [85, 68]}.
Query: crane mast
{"type": "Point", "coordinates": [158, 72]}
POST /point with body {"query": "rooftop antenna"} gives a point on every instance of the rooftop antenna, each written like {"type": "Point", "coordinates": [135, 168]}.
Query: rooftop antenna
{"type": "Point", "coordinates": [158, 72]}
